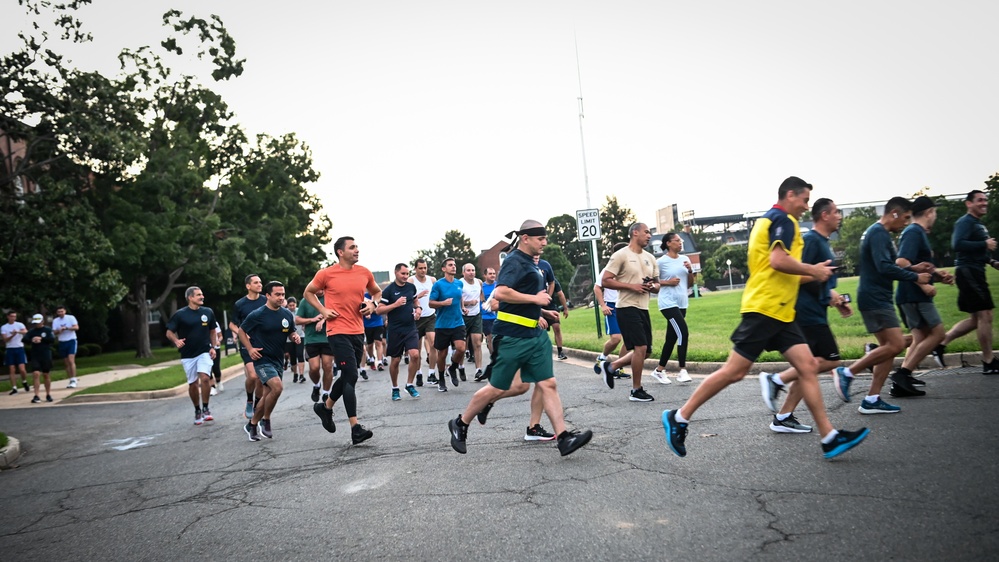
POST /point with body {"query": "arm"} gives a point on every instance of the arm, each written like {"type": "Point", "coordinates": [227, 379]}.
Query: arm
{"type": "Point", "coordinates": [510, 296]}
{"type": "Point", "coordinates": [565, 305]}
{"type": "Point", "coordinates": [173, 338]}
{"type": "Point", "coordinates": [598, 295]}
{"type": "Point", "coordinates": [783, 262]}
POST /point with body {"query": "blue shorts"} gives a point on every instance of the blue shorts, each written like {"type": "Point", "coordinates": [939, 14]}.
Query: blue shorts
{"type": "Point", "coordinates": [15, 356]}
{"type": "Point", "coordinates": [610, 322]}
{"type": "Point", "coordinates": [267, 371]}
{"type": "Point", "coordinates": [67, 348]}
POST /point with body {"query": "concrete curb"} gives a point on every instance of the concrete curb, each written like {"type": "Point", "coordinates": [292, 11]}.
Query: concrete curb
{"type": "Point", "coordinates": [227, 373]}
{"type": "Point", "coordinates": [10, 453]}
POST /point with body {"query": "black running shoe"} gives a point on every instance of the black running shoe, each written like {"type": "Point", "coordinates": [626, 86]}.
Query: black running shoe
{"type": "Point", "coordinates": [26, 388]}
{"type": "Point", "coordinates": [569, 441]}
{"type": "Point", "coordinates": [676, 433]}
{"type": "Point", "coordinates": [481, 416]}
{"type": "Point", "coordinates": [362, 374]}
{"type": "Point", "coordinates": [432, 378]}
{"type": "Point", "coordinates": [915, 381]}
{"type": "Point", "coordinates": [326, 415]}
{"type": "Point", "coordinates": [639, 395]}
{"type": "Point", "coordinates": [36, 399]}
{"type": "Point", "coordinates": [419, 379]}
{"type": "Point", "coordinates": [938, 355]}
{"type": "Point", "coordinates": [315, 394]}
{"type": "Point", "coordinates": [608, 373]}
{"type": "Point", "coordinates": [441, 385]}
{"type": "Point", "coordinates": [251, 431]}
{"type": "Point", "coordinates": [453, 371]}
{"type": "Point", "coordinates": [479, 376]}
{"type": "Point", "coordinates": [901, 387]}
{"type": "Point", "coordinates": [48, 398]}
{"type": "Point", "coordinates": [406, 359]}
{"type": "Point", "coordinates": [561, 356]}
{"type": "Point", "coordinates": [461, 374]}
{"type": "Point", "coordinates": [538, 433]}
{"type": "Point", "coordinates": [359, 434]}
{"type": "Point", "coordinates": [458, 431]}
{"type": "Point", "coordinates": [265, 429]}
{"type": "Point", "coordinates": [991, 368]}
{"type": "Point", "coordinates": [843, 442]}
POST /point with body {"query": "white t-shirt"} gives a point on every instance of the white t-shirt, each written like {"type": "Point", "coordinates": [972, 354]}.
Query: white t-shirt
{"type": "Point", "coordinates": [66, 321]}
{"type": "Point", "coordinates": [669, 296]}
{"type": "Point", "coordinates": [471, 297]}
{"type": "Point", "coordinates": [8, 329]}
{"type": "Point", "coordinates": [610, 295]}
{"type": "Point", "coordinates": [425, 299]}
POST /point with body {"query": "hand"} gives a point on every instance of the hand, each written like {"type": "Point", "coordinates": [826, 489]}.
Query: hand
{"type": "Point", "coordinates": [990, 244]}
{"type": "Point", "coordinates": [211, 353]}
{"type": "Point", "coordinates": [606, 310]}
{"type": "Point", "coordinates": [296, 338]}
{"type": "Point", "coordinates": [946, 277]}
{"type": "Point", "coordinates": [369, 308]}
{"type": "Point", "coordinates": [180, 342]}
{"type": "Point", "coordinates": [422, 294]}
{"type": "Point", "coordinates": [922, 267]}
{"type": "Point", "coordinates": [542, 323]}
{"type": "Point", "coordinates": [929, 290]}
{"type": "Point", "coordinates": [255, 353]}
{"type": "Point", "coordinates": [823, 271]}
{"type": "Point", "coordinates": [546, 314]}
{"type": "Point", "coordinates": [542, 298]}
{"type": "Point", "coordinates": [318, 319]}
{"type": "Point", "coordinates": [845, 311]}
{"type": "Point", "coordinates": [924, 278]}
{"type": "Point", "coordinates": [36, 339]}
{"type": "Point", "coordinates": [400, 301]}
{"type": "Point", "coordinates": [688, 266]}
{"type": "Point", "coordinates": [329, 314]}
{"type": "Point", "coordinates": [565, 312]}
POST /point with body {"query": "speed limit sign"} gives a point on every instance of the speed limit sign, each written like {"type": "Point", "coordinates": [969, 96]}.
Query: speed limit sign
{"type": "Point", "coordinates": [588, 224]}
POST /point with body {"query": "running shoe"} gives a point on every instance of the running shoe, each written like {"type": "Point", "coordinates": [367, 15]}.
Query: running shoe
{"type": "Point", "coordinates": [381, 367]}
{"type": "Point", "coordinates": [461, 374]}
{"type": "Point", "coordinates": [251, 431]}
{"type": "Point", "coordinates": [207, 414]}
{"type": "Point", "coordinates": [569, 441]}
{"type": "Point", "coordinates": [479, 376]}
{"type": "Point", "coordinates": [412, 391]}
{"type": "Point", "coordinates": [213, 392]}
{"type": "Point", "coordinates": [419, 379]}
{"type": "Point", "coordinates": [385, 361]}
{"type": "Point", "coordinates": [660, 376]}
{"type": "Point", "coordinates": [898, 391]}
{"type": "Point", "coordinates": [538, 433]}
{"type": "Point", "coordinates": [406, 359]}
{"type": "Point", "coordinates": [26, 388]}
{"type": "Point", "coordinates": [453, 371]}
{"type": "Point", "coordinates": [48, 398]}
{"type": "Point", "coordinates": [13, 391]}
{"type": "Point", "coordinates": [198, 418]}
{"type": "Point", "coordinates": [769, 390]}
{"type": "Point", "coordinates": [608, 372]}
{"type": "Point", "coordinates": [265, 429]}
{"type": "Point", "coordinates": [683, 376]}
{"type": "Point", "coordinates": [315, 394]}
{"type": "Point", "coordinates": [248, 413]}
{"type": "Point", "coordinates": [371, 362]}
{"type": "Point", "coordinates": [597, 366]}
{"type": "Point", "coordinates": [841, 383]}
{"type": "Point", "coordinates": [481, 416]}
{"type": "Point", "coordinates": [326, 415]}
{"type": "Point", "coordinates": [220, 386]}
{"type": "Point", "coordinates": [432, 378]}
{"type": "Point", "coordinates": [441, 385]}
{"type": "Point", "coordinates": [877, 407]}
{"type": "Point", "coordinates": [901, 384]}
{"type": "Point", "coordinates": [843, 442]}
{"type": "Point", "coordinates": [459, 432]}
{"type": "Point", "coordinates": [72, 383]}
{"type": "Point", "coordinates": [362, 374]}
{"type": "Point", "coordinates": [915, 381]}
{"type": "Point", "coordinates": [395, 395]}
{"type": "Point", "coordinates": [789, 425]}
{"type": "Point", "coordinates": [991, 368]}
{"type": "Point", "coordinates": [36, 400]}
{"type": "Point", "coordinates": [562, 356]}
{"type": "Point", "coordinates": [639, 395]}
{"type": "Point", "coordinates": [676, 433]}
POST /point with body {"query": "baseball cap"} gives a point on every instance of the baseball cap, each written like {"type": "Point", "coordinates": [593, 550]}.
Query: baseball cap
{"type": "Point", "coordinates": [921, 204]}
{"type": "Point", "coordinates": [37, 319]}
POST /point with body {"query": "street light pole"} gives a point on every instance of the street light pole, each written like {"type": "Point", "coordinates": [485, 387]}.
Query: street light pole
{"type": "Point", "coordinates": [729, 264]}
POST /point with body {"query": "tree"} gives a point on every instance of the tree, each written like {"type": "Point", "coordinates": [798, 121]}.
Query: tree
{"type": "Point", "coordinates": [560, 265]}
{"type": "Point", "coordinates": [562, 233]}
{"type": "Point", "coordinates": [614, 223]}
{"type": "Point", "coordinates": [718, 267]}
{"type": "Point", "coordinates": [454, 245]}
{"type": "Point", "coordinates": [850, 231]}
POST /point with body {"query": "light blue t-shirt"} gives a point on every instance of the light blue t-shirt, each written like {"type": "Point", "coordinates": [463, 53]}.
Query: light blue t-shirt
{"type": "Point", "coordinates": [669, 296]}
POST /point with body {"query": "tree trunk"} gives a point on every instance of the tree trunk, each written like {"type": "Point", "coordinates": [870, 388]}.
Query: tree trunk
{"type": "Point", "coordinates": [142, 347]}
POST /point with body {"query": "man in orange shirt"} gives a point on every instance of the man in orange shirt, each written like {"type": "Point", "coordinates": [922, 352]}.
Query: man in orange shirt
{"type": "Point", "coordinates": [343, 285]}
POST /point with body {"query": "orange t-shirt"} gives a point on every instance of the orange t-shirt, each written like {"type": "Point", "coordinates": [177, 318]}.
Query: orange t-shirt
{"type": "Point", "coordinates": [343, 291]}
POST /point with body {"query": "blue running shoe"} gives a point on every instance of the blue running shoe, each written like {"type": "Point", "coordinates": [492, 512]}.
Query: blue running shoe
{"type": "Point", "coordinates": [249, 409]}
{"type": "Point", "coordinates": [412, 391]}
{"type": "Point", "coordinates": [843, 442]}
{"type": "Point", "coordinates": [596, 367]}
{"type": "Point", "coordinates": [878, 407]}
{"type": "Point", "coordinates": [842, 383]}
{"type": "Point", "coordinates": [676, 433]}
{"type": "Point", "coordinates": [395, 395]}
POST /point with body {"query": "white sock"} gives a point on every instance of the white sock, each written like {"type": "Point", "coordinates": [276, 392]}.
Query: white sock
{"type": "Point", "coordinates": [433, 372]}
{"type": "Point", "coordinates": [315, 385]}
{"type": "Point", "coordinates": [679, 418]}
{"type": "Point", "coordinates": [848, 372]}
{"type": "Point", "coordinates": [776, 379]}
{"type": "Point", "coordinates": [395, 388]}
{"type": "Point", "coordinates": [872, 398]}
{"type": "Point", "coordinates": [782, 417]}
{"type": "Point", "coordinates": [829, 438]}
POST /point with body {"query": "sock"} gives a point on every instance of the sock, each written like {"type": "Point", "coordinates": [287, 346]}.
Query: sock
{"type": "Point", "coordinates": [560, 350]}
{"type": "Point", "coordinates": [197, 411]}
{"type": "Point", "coordinates": [395, 388]}
{"type": "Point", "coordinates": [848, 372]}
{"type": "Point", "coordinates": [829, 438]}
{"type": "Point", "coordinates": [256, 400]}
{"type": "Point", "coordinates": [872, 398]}
{"type": "Point", "coordinates": [433, 372]}
{"type": "Point", "coordinates": [461, 422]}
{"type": "Point", "coordinates": [601, 357]}
{"type": "Point", "coordinates": [315, 385]}
{"type": "Point", "coordinates": [776, 378]}
{"type": "Point", "coordinates": [249, 396]}
{"type": "Point", "coordinates": [679, 418]}
{"type": "Point", "coordinates": [782, 417]}
{"type": "Point", "coordinates": [204, 405]}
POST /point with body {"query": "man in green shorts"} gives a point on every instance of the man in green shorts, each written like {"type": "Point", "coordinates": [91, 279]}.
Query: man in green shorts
{"type": "Point", "coordinates": [521, 343]}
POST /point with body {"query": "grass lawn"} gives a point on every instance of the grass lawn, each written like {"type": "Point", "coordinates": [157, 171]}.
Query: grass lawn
{"type": "Point", "coordinates": [160, 379]}
{"type": "Point", "coordinates": [712, 318]}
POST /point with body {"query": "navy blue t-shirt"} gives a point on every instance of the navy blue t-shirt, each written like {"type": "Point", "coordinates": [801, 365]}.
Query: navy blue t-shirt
{"type": "Point", "coordinates": [520, 273]}
{"type": "Point", "coordinates": [970, 242]}
{"type": "Point", "coordinates": [400, 319]}
{"type": "Point", "coordinates": [269, 330]}
{"type": "Point", "coordinates": [244, 307]}
{"type": "Point", "coordinates": [878, 271]}
{"type": "Point", "coordinates": [813, 297]}
{"type": "Point", "coordinates": [914, 246]}
{"type": "Point", "coordinates": [41, 351]}
{"type": "Point", "coordinates": [195, 328]}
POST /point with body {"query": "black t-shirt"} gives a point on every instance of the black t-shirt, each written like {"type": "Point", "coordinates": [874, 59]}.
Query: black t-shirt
{"type": "Point", "coordinates": [520, 273]}
{"type": "Point", "coordinates": [244, 307]}
{"type": "Point", "coordinates": [43, 349]}
{"type": "Point", "coordinates": [269, 330]}
{"type": "Point", "coordinates": [400, 319]}
{"type": "Point", "coordinates": [195, 327]}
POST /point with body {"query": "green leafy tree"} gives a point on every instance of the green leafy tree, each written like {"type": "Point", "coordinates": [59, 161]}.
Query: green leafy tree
{"type": "Point", "coordinates": [614, 222]}
{"type": "Point", "coordinates": [991, 218]}
{"type": "Point", "coordinates": [562, 233]}
{"type": "Point", "coordinates": [850, 231]}
{"type": "Point", "coordinates": [455, 244]}
{"type": "Point", "coordinates": [560, 265]}
{"type": "Point", "coordinates": [738, 253]}
{"type": "Point", "coordinates": [707, 243]}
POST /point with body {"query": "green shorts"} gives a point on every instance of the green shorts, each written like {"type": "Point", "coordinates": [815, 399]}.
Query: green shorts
{"type": "Point", "coordinates": [531, 356]}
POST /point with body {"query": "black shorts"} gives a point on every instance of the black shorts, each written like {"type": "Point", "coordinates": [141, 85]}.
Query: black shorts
{"type": "Point", "coordinates": [636, 326]}
{"type": "Point", "coordinates": [821, 341]}
{"type": "Point", "coordinates": [374, 334]}
{"type": "Point", "coordinates": [317, 349]}
{"type": "Point", "coordinates": [294, 351]}
{"type": "Point", "coordinates": [349, 352]}
{"type": "Point", "coordinates": [448, 336]}
{"type": "Point", "coordinates": [401, 342]}
{"type": "Point", "coordinates": [487, 326]}
{"type": "Point", "coordinates": [758, 333]}
{"type": "Point", "coordinates": [42, 365]}
{"type": "Point", "coordinates": [972, 290]}
{"type": "Point", "coordinates": [245, 355]}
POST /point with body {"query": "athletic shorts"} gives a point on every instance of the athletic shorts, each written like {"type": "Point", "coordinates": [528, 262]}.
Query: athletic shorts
{"type": "Point", "coordinates": [636, 327]}
{"type": "Point", "coordinates": [267, 371]}
{"type": "Point", "coordinates": [67, 348]}
{"type": "Point", "coordinates": [920, 315]}
{"type": "Point", "coordinates": [195, 365]}
{"type": "Point", "coordinates": [426, 325]}
{"type": "Point", "coordinates": [610, 322]}
{"type": "Point", "coordinates": [41, 365]}
{"type": "Point", "coordinates": [487, 326]}
{"type": "Point", "coordinates": [294, 351]}
{"type": "Point", "coordinates": [972, 290]}
{"type": "Point", "coordinates": [348, 349]}
{"type": "Point", "coordinates": [880, 319]}
{"type": "Point", "coordinates": [15, 356]}
{"type": "Point", "coordinates": [758, 333]}
{"type": "Point", "coordinates": [821, 341]}
{"type": "Point", "coordinates": [558, 316]}
{"type": "Point", "coordinates": [473, 324]}
{"type": "Point", "coordinates": [401, 342]}
{"type": "Point", "coordinates": [445, 337]}
{"type": "Point", "coordinates": [245, 355]}
{"type": "Point", "coordinates": [317, 349]}
{"type": "Point", "coordinates": [374, 334]}
{"type": "Point", "coordinates": [531, 356]}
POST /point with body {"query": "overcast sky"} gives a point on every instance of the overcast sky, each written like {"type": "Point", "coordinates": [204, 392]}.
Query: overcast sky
{"type": "Point", "coordinates": [434, 115]}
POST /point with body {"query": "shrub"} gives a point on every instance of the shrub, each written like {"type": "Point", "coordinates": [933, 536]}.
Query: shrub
{"type": "Point", "coordinates": [93, 349]}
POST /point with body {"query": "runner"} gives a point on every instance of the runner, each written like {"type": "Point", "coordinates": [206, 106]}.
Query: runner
{"type": "Point", "coordinates": [676, 275]}
{"type": "Point", "coordinates": [295, 351]}
{"type": "Point", "coordinates": [65, 327]}
{"type": "Point", "coordinates": [41, 338]}
{"type": "Point", "coordinates": [192, 330]}
{"type": "Point", "coordinates": [606, 299]}
{"type": "Point", "coordinates": [488, 316]}
{"type": "Point", "coordinates": [241, 310]}
{"type": "Point", "coordinates": [374, 337]}
{"type": "Point", "coordinates": [445, 297]}
{"type": "Point", "coordinates": [13, 336]}
{"type": "Point", "coordinates": [399, 303]}
{"type": "Point", "coordinates": [217, 361]}
{"type": "Point", "coordinates": [317, 347]}
{"type": "Point", "coordinates": [428, 319]}
{"type": "Point", "coordinates": [472, 297]}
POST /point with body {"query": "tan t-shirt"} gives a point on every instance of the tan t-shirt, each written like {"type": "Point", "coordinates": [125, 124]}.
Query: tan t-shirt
{"type": "Point", "coordinates": [628, 267]}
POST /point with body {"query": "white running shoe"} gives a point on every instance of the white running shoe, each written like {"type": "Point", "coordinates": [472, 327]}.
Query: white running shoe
{"type": "Point", "coordinates": [219, 386]}
{"type": "Point", "coordinates": [213, 392]}
{"type": "Point", "coordinates": [72, 383]}
{"type": "Point", "coordinates": [682, 376]}
{"type": "Point", "coordinates": [661, 376]}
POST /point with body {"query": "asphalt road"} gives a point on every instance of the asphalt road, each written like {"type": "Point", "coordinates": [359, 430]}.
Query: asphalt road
{"type": "Point", "coordinates": [131, 481]}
